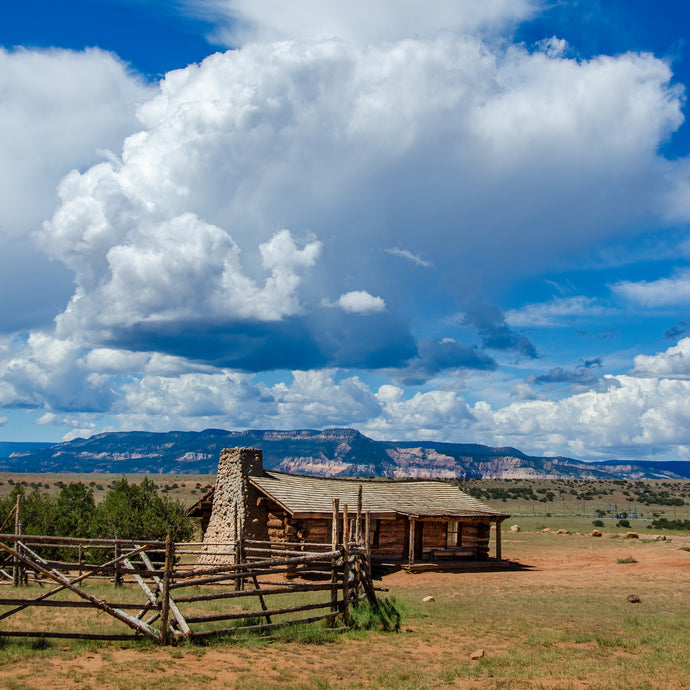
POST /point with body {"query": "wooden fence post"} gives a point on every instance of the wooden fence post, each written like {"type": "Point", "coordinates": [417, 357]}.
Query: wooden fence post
{"type": "Point", "coordinates": [499, 556]}
{"type": "Point", "coordinates": [165, 589]}
{"type": "Point", "coordinates": [118, 565]}
{"type": "Point", "coordinates": [346, 567]}
{"type": "Point", "coordinates": [358, 542]}
{"type": "Point", "coordinates": [334, 560]}
{"type": "Point", "coordinates": [17, 574]}
{"type": "Point", "coordinates": [358, 529]}
{"type": "Point", "coordinates": [411, 543]}
{"type": "Point", "coordinates": [239, 582]}
{"type": "Point", "coordinates": [367, 547]}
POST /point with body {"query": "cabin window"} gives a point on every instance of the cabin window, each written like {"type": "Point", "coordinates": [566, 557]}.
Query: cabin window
{"type": "Point", "coordinates": [374, 530]}
{"type": "Point", "coordinates": [452, 534]}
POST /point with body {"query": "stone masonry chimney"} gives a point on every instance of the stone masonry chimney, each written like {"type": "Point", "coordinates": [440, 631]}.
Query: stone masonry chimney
{"type": "Point", "coordinates": [235, 509]}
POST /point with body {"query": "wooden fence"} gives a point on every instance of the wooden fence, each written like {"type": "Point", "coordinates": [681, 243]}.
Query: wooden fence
{"type": "Point", "coordinates": [169, 591]}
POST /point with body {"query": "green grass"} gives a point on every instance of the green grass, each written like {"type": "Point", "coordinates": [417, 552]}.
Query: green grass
{"type": "Point", "coordinates": [567, 633]}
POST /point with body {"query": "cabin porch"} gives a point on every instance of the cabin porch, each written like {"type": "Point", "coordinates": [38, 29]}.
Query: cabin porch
{"type": "Point", "coordinates": [446, 541]}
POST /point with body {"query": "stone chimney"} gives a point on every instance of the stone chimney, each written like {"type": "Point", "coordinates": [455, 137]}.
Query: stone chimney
{"type": "Point", "coordinates": [235, 509]}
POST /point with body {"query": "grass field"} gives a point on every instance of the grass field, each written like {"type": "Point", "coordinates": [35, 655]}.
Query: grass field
{"type": "Point", "coordinates": [561, 621]}
{"type": "Point", "coordinates": [187, 488]}
{"type": "Point", "coordinates": [520, 497]}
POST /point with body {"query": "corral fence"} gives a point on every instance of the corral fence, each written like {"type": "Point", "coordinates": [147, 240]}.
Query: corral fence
{"type": "Point", "coordinates": [173, 591]}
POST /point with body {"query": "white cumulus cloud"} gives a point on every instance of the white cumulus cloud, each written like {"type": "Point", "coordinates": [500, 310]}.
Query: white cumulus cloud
{"type": "Point", "coordinates": [361, 302]}
{"type": "Point", "coordinates": [674, 363]}
{"type": "Point", "coordinates": [631, 416]}
{"type": "Point", "coordinates": [59, 109]}
{"type": "Point", "coordinates": [288, 135]}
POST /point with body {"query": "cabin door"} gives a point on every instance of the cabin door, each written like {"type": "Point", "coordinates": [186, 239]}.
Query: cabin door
{"type": "Point", "coordinates": [418, 540]}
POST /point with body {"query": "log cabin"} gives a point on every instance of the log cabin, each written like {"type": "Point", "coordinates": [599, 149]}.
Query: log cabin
{"type": "Point", "coordinates": [410, 521]}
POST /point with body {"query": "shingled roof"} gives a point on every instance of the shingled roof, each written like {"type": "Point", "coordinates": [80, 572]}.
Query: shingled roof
{"type": "Point", "coordinates": [304, 496]}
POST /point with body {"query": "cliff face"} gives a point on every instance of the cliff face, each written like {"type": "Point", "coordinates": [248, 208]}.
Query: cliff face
{"type": "Point", "coordinates": [331, 452]}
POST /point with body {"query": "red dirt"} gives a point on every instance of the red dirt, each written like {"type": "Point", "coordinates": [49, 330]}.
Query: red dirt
{"type": "Point", "coordinates": [415, 653]}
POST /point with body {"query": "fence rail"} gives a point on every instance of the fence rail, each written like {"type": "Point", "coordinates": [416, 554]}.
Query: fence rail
{"type": "Point", "coordinates": [169, 591]}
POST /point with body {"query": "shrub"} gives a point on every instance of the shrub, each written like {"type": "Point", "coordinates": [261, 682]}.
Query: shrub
{"type": "Point", "coordinates": [37, 510]}
{"type": "Point", "coordinates": [137, 511]}
{"type": "Point", "coordinates": [623, 523]}
{"type": "Point", "coordinates": [74, 511]}
{"type": "Point", "coordinates": [665, 523]}
{"type": "Point", "coordinates": [598, 523]}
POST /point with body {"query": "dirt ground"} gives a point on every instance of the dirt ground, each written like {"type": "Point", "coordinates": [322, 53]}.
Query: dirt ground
{"type": "Point", "coordinates": [414, 658]}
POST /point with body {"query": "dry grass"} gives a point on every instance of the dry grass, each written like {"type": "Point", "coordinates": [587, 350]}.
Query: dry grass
{"type": "Point", "coordinates": [564, 622]}
{"type": "Point", "coordinates": [573, 500]}
{"type": "Point", "coordinates": [187, 488]}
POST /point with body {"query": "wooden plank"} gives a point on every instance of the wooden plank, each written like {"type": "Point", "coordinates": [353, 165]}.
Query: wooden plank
{"type": "Point", "coordinates": [259, 628]}
{"type": "Point", "coordinates": [499, 555]}
{"type": "Point", "coordinates": [52, 603]}
{"type": "Point", "coordinates": [264, 608]}
{"type": "Point", "coordinates": [41, 540]}
{"type": "Point", "coordinates": [411, 543]}
{"type": "Point", "coordinates": [68, 636]}
{"type": "Point", "coordinates": [165, 591]}
{"type": "Point", "coordinates": [171, 603]}
{"type": "Point", "coordinates": [286, 588]}
{"type": "Point", "coordinates": [146, 589]}
{"type": "Point", "coordinates": [242, 570]}
{"type": "Point", "coordinates": [103, 606]}
{"type": "Point", "coordinates": [346, 568]}
{"type": "Point", "coordinates": [239, 615]}
{"type": "Point", "coordinates": [46, 595]}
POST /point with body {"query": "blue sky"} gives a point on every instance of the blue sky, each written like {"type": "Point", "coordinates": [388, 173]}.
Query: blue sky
{"type": "Point", "coordinates": [451, 221]}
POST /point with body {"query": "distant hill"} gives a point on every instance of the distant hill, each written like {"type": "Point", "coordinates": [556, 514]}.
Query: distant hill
{"type": "Point", "coordinates": [331, 452]}
{"type": "Point", "coordinates": [10, 448]}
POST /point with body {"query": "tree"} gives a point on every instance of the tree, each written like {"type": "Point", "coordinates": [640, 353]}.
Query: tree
{"type": "Point", "coordinates": [37, 511]}
{"type": "Point", "coordinates": [74, 511]}
{"type": "Point", "coordinates": [137, 511]}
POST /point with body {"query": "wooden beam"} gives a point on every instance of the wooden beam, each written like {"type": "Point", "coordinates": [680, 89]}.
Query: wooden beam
{"type": "Point", "coordinates": [346, 567]}
{"type": "Point", "coordinates": [411, 544]}
{"type": "Point", "coordinates": [70, 584]}
{"type": "Point", "coordinates": [334, 560]}
{"type": "Point", "coordinates": [358, 528]}
{"type": "Point", "coordinates": [498, 540]}
{"type": "Point", "coordinates": [75, 581]}
{"type": "Point", "coordinates": [165, 590]}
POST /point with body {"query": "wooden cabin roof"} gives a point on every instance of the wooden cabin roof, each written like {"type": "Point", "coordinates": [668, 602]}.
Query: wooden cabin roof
{"type": "Point", "coordinates": [304, 496]}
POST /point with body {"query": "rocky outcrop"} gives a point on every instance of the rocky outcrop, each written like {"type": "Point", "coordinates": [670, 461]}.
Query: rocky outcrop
{"type": "Point", "coordinates": [330, 452]}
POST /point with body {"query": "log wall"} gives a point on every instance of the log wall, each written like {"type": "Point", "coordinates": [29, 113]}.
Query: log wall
{"type": "Point", "coordinates": [434, 535]}
{"type": "Point", "coordinates": [475, 535]}
{"type": "Point", "coordinates": [393, 534]}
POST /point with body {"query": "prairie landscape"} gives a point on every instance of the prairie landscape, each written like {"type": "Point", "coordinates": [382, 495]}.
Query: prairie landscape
{"type": "Point", "coordinates": [561, 620]}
